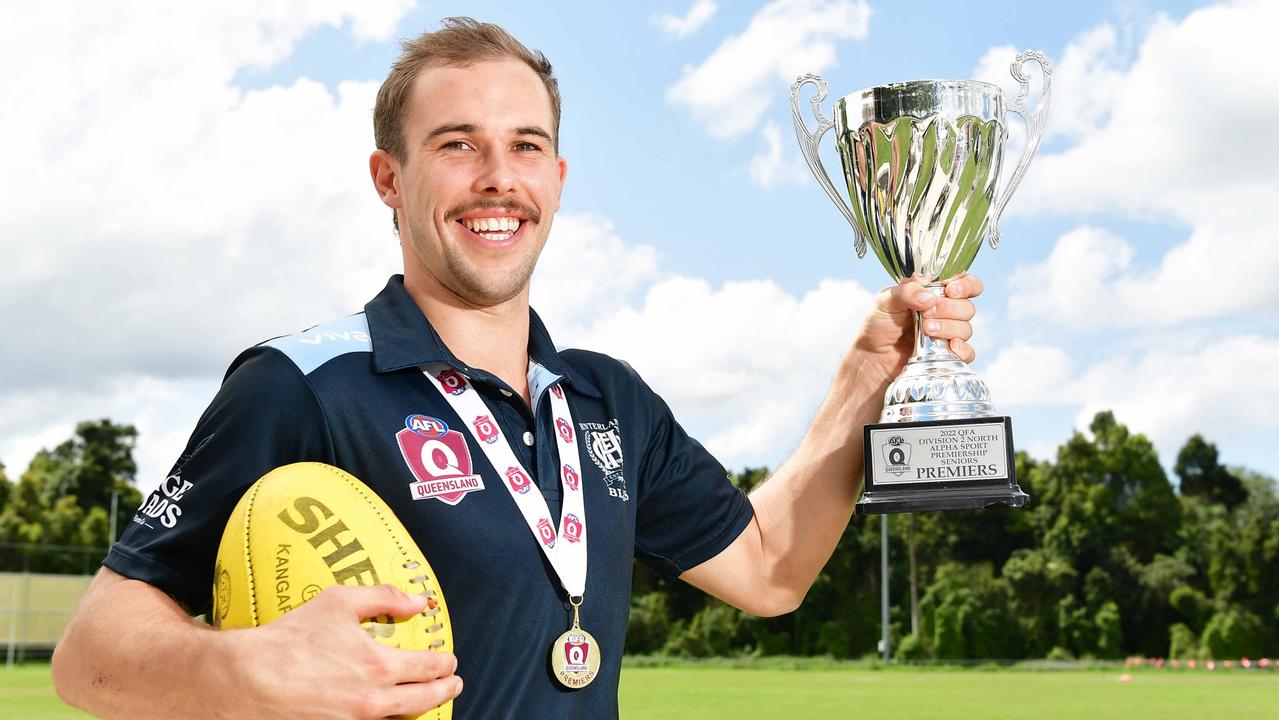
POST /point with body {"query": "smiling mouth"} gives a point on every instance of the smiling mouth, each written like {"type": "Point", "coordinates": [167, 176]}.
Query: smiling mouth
{"type": "Point", "coordinates": [493, 229]}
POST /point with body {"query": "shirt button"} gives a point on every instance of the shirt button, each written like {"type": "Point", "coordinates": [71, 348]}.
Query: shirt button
{"type": "Point", "coordinates": [506, 393]}
{"type": "Point", "coordinates": [528, 438]}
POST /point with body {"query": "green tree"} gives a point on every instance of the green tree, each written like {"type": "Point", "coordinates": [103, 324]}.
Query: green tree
{"type": "Point", "coordinates": [1104, 492]}
{"type": "Point", "coordinates": [64, 498]}
{"type": "Point", "coordinates": [1232, 633]}
{"type": "Point", "coordinates": [1202, 475]}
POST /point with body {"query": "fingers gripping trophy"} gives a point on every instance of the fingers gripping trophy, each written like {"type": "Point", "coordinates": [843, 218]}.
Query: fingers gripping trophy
{"type": "Point", "coordinates": [921, 160]}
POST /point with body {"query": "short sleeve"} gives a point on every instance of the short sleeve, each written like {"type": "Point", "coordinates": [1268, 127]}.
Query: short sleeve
{"type": "Point", "coordinates": [688, 510]}
{"type": "Point", "coordinates": [264, 415]}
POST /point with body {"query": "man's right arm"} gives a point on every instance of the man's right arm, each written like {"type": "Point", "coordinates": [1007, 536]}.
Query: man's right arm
{"type": "Point", "coordinates": [131, 651]}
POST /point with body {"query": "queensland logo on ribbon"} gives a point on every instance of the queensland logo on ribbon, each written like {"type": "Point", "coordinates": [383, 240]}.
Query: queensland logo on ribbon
{"type": "Point", "coordinates": [571, 478]}
{"type": "Point", "coordinates": [565, 430]}
{"type": "Point", "coordinates": [518, 479]}
{"type": "Point", "coordinates": [441, 464]}
{"type": "Point", "coordinates": [896, 455]}
{"type": "Point", "coordinates": [572, 528]}
{"type": "Point", "coordinates": [546, 532]}
{"type": "Point", "coordinates": [452, 381]}
{"type": "Point", "coordinates": [486, 429]}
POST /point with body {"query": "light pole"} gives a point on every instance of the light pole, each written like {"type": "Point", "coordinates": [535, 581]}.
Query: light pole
{"type": "Point", "coordinates": [883, 583]}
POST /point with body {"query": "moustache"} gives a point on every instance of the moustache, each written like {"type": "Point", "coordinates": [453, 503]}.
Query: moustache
{"type": "Point", "coordinates": [528, 212]}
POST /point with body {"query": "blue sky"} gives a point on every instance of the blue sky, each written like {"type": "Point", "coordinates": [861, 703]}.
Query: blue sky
{"type": "Point", "coordinates": [197, 186]}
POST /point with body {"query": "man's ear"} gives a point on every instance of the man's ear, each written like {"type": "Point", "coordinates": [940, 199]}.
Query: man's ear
{"type": "Point", "coordinates": [385, 172]}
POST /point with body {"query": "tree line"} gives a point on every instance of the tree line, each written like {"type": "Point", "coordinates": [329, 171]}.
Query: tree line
{"type": "Point", "coordinates": [1110, 560]}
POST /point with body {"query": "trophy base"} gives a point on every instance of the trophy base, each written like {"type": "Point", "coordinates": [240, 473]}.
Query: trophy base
{"type": "Point", "coordinates": [961, 464]}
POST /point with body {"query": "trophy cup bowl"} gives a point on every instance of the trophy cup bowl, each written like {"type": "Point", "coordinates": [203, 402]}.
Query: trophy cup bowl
{"type": "Point", "coordinates": [921, 163]}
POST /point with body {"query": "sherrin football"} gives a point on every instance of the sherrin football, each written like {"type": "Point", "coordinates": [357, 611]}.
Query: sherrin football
{"type": "Point", "coordinates": [305, 526]}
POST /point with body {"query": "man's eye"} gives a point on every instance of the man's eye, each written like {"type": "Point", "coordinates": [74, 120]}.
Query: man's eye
{"type": "Point", "coordinates": [527, 147]}
{"type": "Point", "coordinates": [456, 145]}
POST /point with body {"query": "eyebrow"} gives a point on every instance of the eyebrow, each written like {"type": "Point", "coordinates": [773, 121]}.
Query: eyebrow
{"type": "Point", "coordinates": [471, 128]}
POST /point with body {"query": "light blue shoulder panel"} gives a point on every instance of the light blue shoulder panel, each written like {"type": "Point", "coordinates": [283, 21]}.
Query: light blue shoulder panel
{"type": "Point", "coordinates": [312, 348]}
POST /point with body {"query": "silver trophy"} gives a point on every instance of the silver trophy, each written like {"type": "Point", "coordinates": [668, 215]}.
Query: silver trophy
{"type": "Point", "coordinates": [921, 161]}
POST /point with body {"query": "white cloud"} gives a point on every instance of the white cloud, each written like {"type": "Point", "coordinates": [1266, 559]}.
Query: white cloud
{"type": "Point", "coordinates": [764, 357]}
{"type": "Point", "coordinates": [586, 272]}
{"type": "Point", "coordinates": [1166, 392]}
{"type": "Point", "coordinates": [776, 166]}
{"type": "Point", "coordinates": [699, 13]}
{"type": "Point", "coordinates": [1184, 135]}
{"type": "Point", "coordinates": [143, 158]}
{"type": "Point", "coordinates": [140, 156]}
{"type": "Point", "coordinates": [730, 91]}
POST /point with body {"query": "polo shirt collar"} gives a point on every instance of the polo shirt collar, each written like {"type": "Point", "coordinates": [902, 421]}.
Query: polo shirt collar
{"type": "Point", "coordinates": [402, 338]}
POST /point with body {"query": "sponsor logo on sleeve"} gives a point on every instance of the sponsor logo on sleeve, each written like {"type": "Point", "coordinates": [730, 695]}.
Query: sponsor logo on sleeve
{"type": "Point", "coordinates": [604, 446]}
{"type": "Point", "coordinates": [441, 466]}
{"type": "Point", "coordinates": [162, 504]}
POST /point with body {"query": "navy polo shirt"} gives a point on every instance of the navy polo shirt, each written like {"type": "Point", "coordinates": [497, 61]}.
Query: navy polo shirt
{"type": "Point", "coordinates": [340, 393]}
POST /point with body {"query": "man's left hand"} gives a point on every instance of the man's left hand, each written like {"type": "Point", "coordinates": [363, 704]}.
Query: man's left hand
{"type": "Point", "coordinates": [887, 339]}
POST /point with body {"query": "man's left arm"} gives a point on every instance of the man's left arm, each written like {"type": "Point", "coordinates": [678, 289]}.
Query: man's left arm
{"type": "Point", "coordinates": [803, 508]}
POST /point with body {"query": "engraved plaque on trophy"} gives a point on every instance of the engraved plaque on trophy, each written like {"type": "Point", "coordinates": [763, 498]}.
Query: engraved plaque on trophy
{"type": "Point", "coordinates": [921, 162]}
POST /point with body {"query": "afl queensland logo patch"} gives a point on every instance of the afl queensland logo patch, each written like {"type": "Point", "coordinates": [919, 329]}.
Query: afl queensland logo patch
{"type": "Point", "coordinates": [439, 460]}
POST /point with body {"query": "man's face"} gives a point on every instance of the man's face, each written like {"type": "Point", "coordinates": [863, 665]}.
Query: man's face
{"type": "Point", "coordinates": [480, 181]}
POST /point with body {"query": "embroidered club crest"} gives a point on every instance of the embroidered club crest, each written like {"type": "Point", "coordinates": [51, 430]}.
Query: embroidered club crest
{"type": "Point", "coordinates": [604, 446]}
{"type": "Point", "coordinates": [441, 466]}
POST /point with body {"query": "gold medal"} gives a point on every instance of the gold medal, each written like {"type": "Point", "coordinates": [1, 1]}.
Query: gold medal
{"type": "Point", "coordinates": [575, 656]}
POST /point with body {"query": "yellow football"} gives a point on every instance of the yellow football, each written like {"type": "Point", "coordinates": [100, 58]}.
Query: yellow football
{"type": "Point", "coordinates": [305, 526]}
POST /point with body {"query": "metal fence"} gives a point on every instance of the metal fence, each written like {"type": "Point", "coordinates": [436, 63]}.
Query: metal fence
{"type": "Point", "coordinates": [40, 586]}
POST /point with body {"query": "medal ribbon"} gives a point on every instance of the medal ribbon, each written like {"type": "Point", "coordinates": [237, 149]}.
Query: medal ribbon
{"type": "Point", "coordinates": [564, 547]}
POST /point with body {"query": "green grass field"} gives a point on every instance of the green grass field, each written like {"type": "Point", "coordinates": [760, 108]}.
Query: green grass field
{"type": "Point", "coordinates": [673, 693]}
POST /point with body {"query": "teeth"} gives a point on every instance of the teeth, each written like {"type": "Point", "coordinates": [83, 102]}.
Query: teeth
{"type": "Point", "coordinates": [490, 225]}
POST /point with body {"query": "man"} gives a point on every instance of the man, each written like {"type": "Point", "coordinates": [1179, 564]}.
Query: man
{"type": "Point", "coordinates": [467, 128]}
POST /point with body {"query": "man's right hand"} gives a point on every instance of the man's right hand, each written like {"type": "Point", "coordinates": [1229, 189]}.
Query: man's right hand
{"type": "Point", "coordinates": [132, 651]}
{"type": "Point", "coordinates": [318, 662]}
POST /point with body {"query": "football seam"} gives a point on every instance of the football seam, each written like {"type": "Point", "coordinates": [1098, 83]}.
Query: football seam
{"type": "Point", "coordinates": [360, 490]}
{"type": "Point", "coordinates": [248, 558]}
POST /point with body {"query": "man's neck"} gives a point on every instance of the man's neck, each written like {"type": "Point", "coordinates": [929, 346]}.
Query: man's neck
{"type": "Point", "coordinates": [492, 338]}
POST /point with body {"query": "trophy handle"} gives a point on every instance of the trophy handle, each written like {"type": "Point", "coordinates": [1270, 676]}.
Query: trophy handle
{"type": "Point", "coordinates": [810, 141]}
{"type": "Point", "coordinates": [1034, 128]}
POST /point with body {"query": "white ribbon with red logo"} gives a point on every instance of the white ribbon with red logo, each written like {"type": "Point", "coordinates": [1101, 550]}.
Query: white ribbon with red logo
{"type": "Point", "coordinates": [565, 547]}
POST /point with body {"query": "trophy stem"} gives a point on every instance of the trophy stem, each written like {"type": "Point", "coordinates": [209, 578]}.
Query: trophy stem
{"type": "Point", "coordinates": [935, 384]}
{"type": "Point", "coordinates": [928, 348]}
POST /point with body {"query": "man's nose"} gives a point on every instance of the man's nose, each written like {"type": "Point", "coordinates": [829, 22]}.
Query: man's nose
{"type": "Point", "coordinates": [496, 175]}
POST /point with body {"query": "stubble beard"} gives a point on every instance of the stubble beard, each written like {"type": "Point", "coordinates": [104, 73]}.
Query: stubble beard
{"type": "Point", "coordinates": [460, 276]}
